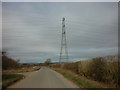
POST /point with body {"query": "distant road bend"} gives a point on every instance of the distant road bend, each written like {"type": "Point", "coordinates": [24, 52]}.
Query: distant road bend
{"type": "Point", "coordinates": [44, 78]}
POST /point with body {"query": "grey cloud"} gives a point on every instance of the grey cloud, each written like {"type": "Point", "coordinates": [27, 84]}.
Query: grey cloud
{"type": "Point", "coordinates": [32, 31]}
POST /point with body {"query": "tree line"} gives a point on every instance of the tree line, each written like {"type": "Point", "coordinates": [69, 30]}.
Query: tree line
{"type": "Point", "coordinates": [9, 63]}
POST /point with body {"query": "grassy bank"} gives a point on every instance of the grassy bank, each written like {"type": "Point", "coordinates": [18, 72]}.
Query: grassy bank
{"type": "Point", "coordinates": [82, 82]}
{"type": "Point", "coordinates": [8, 79]}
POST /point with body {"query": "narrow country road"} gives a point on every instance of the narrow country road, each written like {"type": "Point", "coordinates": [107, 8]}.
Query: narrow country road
{"type": "Point", "coordinates": [44, 78]}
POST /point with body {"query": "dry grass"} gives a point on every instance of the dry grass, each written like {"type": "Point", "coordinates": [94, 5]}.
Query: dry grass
{"type": "Point", "coordinates": [22, 69]}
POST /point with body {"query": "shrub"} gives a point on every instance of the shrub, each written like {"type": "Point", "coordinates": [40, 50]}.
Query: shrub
{"type": "Point", "coordinates": [112, 72]}
{"type": "Point", "coordinates": [97, 69]}
{"type": "Point", "coordinates": [83, 68]}
{"type": "Point", "coordinates": [100, 69]}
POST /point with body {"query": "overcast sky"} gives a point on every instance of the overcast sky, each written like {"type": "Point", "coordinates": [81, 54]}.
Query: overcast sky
{"type": "Point", "coordinates": [32, 31]}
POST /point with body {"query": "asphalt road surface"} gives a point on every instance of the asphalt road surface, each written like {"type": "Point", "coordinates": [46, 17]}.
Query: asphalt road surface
{"type": "Point", "coordinates": [44, 78]}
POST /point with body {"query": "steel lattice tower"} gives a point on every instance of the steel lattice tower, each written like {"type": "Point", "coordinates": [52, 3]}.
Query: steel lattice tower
{"type": "Point", "coordinates": [63, 51]}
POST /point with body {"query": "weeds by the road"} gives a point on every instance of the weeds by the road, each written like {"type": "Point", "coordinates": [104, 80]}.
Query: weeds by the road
{"type": "Point", "coordinates": [8, 79]}
{"type": "Point", "coordinates": [79, 80]}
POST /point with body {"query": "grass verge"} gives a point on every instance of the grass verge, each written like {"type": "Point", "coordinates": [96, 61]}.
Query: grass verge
{"type": "Point", "coordinates": [8, 79]}
{"type": "Point", "coordinates": [82, 82]}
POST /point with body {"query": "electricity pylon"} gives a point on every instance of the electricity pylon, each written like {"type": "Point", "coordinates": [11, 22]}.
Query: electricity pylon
{"type": "Point", "coordinates": [63, 51]}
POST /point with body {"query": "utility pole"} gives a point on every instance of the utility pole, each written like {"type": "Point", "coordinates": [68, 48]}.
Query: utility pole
{"type": "Point", "coordinates": [63, 51]}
